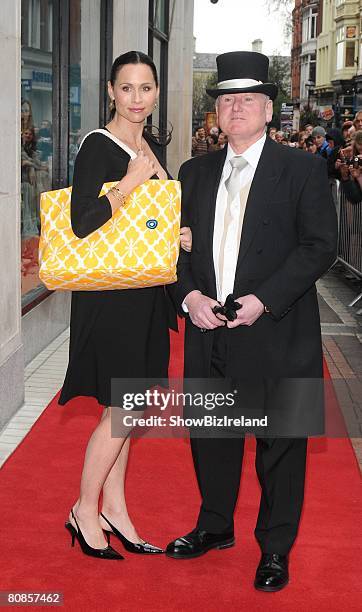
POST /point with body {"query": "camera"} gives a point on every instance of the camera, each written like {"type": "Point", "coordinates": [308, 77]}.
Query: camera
{"type": "Point", "coordinates": [356, 162]}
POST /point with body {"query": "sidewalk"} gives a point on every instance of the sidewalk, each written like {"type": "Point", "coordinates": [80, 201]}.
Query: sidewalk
{"type": "Point", "coordinates": [342, 343]}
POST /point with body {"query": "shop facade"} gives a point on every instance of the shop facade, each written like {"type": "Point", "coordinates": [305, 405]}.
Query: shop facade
{"type": "Point", "coordinates": [57, 57]}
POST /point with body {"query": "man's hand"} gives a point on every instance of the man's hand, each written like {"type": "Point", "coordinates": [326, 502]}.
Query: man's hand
{"type": "Point", "coordinates": [252, 309]}
{"type": "Point", "coordinates": [344, 170]}
{"type": "Point", "coordinates": [200, 310]}
{"type": "Point", "coordinates": [355, 172]}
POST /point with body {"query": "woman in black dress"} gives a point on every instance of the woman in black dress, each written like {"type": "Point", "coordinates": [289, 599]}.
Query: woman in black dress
{"type": "Point", "coordinates": [115, 333]}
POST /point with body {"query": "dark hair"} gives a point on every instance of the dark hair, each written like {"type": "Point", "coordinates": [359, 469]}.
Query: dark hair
{"type": "Point", "coordinates": [132, 57]}
{"type": "Point", "coordinates": [137, 57]}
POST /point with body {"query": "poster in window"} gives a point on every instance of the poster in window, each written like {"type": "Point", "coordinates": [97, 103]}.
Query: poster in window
{"type": "Point", "coordinates": [351, 31]}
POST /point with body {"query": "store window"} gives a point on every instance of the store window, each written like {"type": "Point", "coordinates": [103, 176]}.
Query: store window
{"type": "Point", "coordinates": [36, 131]}
{"type": "Point", "coordinates": [66, 53]}
{"type": "Point", "coordinates": [158, 49]}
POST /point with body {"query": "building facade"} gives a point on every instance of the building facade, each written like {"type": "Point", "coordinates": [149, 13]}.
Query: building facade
{"type": "Point", "coordinates": [324, 90]}
{"type": "Point", "coordinates": [296, 50]}
{"type": "Point", "coordinates": [308, 50]}
{"type": "Point", "coordinates": [304, 46]}
{"type": "Point", "coordinates": [347, 45]}
{"type": "Point", "coordinates": [339, 67]}
{"type": "Point", "coordinates": [57, 56]}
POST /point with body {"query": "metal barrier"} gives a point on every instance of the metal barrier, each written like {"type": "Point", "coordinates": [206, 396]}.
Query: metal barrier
{"type": "Point", "coordinates": [350, 236]}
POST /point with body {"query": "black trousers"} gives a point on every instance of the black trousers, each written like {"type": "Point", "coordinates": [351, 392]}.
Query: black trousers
{"type": "Point", "coordinates": [280, 466]}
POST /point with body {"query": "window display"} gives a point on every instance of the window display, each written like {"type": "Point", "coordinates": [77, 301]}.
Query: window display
{"type": "Point", "coordinates": [64, 80]}
{"type": "Point", "coordinates": [36, 132]}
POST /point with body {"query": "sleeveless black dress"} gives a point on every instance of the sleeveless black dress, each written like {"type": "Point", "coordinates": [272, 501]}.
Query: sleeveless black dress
{"type": "Point", "coordinates": [116, 333]}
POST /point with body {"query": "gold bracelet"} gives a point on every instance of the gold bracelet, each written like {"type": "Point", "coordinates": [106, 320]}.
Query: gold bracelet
{"type": "Point", "coordinates": [119, 195]}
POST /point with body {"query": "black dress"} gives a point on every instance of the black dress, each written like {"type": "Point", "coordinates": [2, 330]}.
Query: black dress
{"type": "Point", "coordinates": [116, 333]}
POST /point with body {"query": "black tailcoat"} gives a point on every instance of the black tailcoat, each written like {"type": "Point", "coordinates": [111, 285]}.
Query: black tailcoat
{"type": "Point", "coordinates": [288, 241]}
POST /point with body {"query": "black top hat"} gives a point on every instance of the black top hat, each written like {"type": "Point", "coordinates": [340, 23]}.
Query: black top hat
{"type": "Point", "coordinates": [243, 71]}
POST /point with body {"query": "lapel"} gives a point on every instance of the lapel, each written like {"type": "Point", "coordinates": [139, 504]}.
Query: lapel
{"type": "Point", "coordinates": [265, 179]}
{"type": "Point", "coordinates": [209, 178]}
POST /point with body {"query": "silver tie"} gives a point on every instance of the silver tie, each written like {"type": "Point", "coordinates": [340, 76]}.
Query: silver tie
{"type": "Point", "coordinates": [232, 185]}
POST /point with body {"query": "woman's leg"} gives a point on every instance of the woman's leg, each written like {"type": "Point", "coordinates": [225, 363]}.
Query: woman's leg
{"type": "Point", "coordinates": [101, 454]}
{"type": "Point", "coordinates": [114, 503]}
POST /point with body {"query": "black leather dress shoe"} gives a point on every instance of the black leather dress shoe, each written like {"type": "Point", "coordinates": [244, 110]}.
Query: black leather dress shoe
{"type": "Point", "coordinates": [198, 543]}
{"type": "Point", "coordinates": [272, 573]}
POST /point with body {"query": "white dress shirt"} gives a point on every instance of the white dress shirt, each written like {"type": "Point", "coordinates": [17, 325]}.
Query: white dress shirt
{"type": "Point", "coordinates": [232, 243]}
{"type": "Point", "coordinates": [252, 156]}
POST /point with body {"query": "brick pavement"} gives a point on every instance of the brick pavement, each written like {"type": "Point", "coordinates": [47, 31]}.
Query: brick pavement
{"type": "Point", "coordinates": [342, 345]}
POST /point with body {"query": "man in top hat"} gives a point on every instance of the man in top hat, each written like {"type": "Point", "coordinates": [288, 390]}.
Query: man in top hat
{"type": "Point", "coordinates": [264, 230]}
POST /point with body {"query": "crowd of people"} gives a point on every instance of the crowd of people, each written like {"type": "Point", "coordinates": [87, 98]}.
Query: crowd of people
{"type": "Point", "coordinates": [205, 143]}
{"type": "Point", "coordinates": [342, 148]}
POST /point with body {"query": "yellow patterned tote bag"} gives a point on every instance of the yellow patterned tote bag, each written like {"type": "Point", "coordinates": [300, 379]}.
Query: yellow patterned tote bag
{"type": "Point", "coordinates": [137, 247]}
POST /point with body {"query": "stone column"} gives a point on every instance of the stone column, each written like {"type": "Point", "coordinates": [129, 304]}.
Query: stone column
{"type": "Point", "coordinates": [11, 348]}
{"type": "Point", "coordinates": [90, 35]}
{"type": "Point", "coordinates": [130, 26]}
{"type": "Point", "coordinates": [180, 62]}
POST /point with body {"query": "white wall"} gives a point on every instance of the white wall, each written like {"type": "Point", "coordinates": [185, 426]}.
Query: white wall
{"type": "Point", "coordinates": [11, 350]}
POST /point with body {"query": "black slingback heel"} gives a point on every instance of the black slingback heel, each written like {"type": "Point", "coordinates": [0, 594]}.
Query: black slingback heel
{"type": "Point", "coordinates": [101, 553]}
{"type": "Point", "coordinates": [142, 548]}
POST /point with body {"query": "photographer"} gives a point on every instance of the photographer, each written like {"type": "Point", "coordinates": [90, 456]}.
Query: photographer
{"type": "Point", "coordinates": [336, 143]}
{"type": "Point", "coordinates": [348, 164]}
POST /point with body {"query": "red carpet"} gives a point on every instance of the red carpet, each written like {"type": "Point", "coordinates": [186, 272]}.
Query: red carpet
{"type": "Point", "coordinates": [40, 481]}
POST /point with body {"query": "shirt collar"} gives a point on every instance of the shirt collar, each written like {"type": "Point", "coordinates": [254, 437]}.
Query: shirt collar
{"type": "Point", "coordinates": [251, 155]}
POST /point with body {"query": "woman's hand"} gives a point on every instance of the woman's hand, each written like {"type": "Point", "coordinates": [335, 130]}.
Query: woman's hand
{"type": "Point", "coordinates": [140, 170]}
{"type": "Point", "coordinates": [186, 238]}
